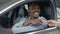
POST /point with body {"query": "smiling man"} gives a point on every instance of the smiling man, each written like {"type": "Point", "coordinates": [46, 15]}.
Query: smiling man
{"type": "Point", "coordinates": [34, 11]}
{"type": "Point", "coordinates": [32, 22]}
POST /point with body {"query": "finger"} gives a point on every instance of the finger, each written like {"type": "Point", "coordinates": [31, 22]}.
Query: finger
{"type": "Point", "coordinates": [49, 21]}
{"type": "Point", "coordinates": [51, 25]}
{"type": "Point", "coordinates": [40, 23]}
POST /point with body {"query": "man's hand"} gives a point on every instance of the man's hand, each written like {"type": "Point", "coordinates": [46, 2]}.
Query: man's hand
{"type": "Point", "coordinates": [27, 23]}
{"type": "Point", "coordinates": [35, 22]}
{"type": "Point", "coordinates": [52, 23]}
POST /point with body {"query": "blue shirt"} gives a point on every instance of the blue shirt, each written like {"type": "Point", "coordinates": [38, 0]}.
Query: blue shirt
{"type": "Point", "coordinates": [18, 28]}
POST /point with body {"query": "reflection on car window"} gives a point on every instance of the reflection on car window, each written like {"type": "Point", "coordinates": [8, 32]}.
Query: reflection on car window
{"type": "Point", "coordinates": [4, 1]}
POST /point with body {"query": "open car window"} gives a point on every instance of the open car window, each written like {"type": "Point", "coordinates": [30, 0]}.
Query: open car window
{"type": "Point", "coordinates": [48, 12]}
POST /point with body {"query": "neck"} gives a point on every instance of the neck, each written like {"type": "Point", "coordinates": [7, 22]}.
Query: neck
{"type": "Point", "coordinates": [31, 17]}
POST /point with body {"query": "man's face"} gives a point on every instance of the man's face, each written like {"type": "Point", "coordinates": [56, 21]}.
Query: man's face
{"type": "Point", "coordinates": [34, 10]}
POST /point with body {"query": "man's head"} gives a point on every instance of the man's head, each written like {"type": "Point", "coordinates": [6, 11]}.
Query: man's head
{"type": "Point", "coordinates": [34, 9]}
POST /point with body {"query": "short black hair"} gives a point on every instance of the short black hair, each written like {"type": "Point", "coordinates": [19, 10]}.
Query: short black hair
{"type": "Point", "coordinates": [33, 3]}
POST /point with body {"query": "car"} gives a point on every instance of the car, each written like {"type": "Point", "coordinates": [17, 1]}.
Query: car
{"type": "Point", "coordinates": [14, 10]}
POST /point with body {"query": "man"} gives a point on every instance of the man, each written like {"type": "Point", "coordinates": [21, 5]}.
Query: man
{"type": "Point", "coordinates": [32, 22]}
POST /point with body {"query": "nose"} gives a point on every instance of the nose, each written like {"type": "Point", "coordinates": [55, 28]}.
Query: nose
{"type": "Point", "coordinates": [36, 10]}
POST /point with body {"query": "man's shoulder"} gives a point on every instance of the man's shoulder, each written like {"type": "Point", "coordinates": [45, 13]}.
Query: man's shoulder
{"type": "Point", "coordinates": [24, 18]}
{"type": "Point", "coordinates": [42, 18]}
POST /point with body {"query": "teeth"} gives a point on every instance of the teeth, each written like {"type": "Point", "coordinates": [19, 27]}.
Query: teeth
{"type": "Point", "coordinates": [36, 13]}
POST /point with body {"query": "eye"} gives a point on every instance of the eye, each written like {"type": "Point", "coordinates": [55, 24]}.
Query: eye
{"type": "Point", "coordinates": [32, 8]}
